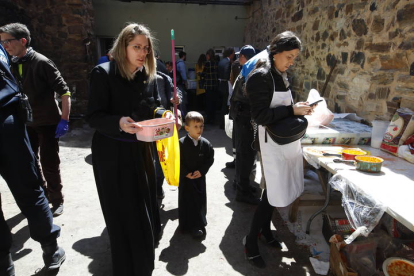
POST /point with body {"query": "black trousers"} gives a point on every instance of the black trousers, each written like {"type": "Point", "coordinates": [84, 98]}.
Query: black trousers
{"type": "Point", "coordinates": [245, 155]}
{"type": "Point", "coordinates": [17, 167]}
{"type": "Point", "coordinates": [261, 219]}
{"type": "Point", "coordinates": [46, 148]}
{"type": "Point", "coordinates": [224, 95]}
{"type": "Point", "coordinates": [211, 104]}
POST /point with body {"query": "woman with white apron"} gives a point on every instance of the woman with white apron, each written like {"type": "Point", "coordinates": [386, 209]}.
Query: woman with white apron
{"type": "Point", "coordinates": [271, 100]}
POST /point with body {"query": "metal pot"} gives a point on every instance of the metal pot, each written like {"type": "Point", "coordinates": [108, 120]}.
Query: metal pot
{"type": "Point", "coordinates": [369, 163]}
{"type": "Point", "coordinates": [350, 154]}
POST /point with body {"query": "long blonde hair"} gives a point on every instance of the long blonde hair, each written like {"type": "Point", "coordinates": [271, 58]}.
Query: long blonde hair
{"type": "Point", "coordinates": [119, 52]}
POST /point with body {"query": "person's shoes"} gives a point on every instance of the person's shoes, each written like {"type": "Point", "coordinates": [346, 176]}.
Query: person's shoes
{"type": "Point", "coordinates": [197, 233]}
{"type": "Point", "coordinates": [231, 165]}
{"type": "Point", "coordinates": [57, 209]}
{"type": "Point", "coordinates": [271, 240]}
{"type": "Point", "coordinates": [254, 259]}
{"type": "Point", "coordinates": [252, 189]}
{"type": "Point", "coordinates": [53, 259]}
{"type": "Point", "coordinates": [247, 198]}
{"type": "Point", "coordinates": [160, 194]}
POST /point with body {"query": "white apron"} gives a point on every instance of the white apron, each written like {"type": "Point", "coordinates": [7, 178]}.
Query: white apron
{"type": "Point", "coordinates": [282, 164]}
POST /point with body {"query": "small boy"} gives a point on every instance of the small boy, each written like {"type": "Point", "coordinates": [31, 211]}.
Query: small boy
{"type": "Point", "coordinates": [197, 156]}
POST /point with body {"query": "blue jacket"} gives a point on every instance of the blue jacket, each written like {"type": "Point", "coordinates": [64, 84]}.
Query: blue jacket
{"type": "Point", "coordinates": [8, 85]}
{"type": "Point", "coordinates": [251, 63]}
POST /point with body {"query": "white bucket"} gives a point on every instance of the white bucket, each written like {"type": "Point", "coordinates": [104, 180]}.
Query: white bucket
{"type": "Point", "coordinates": [378, 131]}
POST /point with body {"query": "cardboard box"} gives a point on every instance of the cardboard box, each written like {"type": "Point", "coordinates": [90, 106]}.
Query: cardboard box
{"type": "Point", "coordinates": [338, 267]}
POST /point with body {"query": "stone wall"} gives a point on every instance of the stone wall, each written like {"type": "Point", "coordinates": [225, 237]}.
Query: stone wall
{"type": "Point", "coordinates": [371, 43]}
{"type": "Point", "coordinates": [62, 31]}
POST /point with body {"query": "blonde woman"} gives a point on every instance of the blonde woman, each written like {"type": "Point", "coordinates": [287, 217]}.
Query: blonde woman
{"type": "Point", "coordinates": [123, 92]}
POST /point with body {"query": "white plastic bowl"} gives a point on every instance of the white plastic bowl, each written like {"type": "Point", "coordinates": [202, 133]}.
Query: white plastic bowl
{"type": "Point", "coordinates": [155, 129]}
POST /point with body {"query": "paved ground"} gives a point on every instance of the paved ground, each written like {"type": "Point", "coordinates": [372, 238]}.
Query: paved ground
{"type": "Point", "coordinates": [85, 239]}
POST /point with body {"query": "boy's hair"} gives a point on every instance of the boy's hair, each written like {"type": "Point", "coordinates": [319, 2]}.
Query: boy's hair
{"type": "Point", "coordinates": [193, 116]}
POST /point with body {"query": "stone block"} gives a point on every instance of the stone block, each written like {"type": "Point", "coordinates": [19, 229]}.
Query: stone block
{"type": "Point", "coordinates": [360, 44]}
{"type": "Point", "coordinates": [412, 69]}
{"type": "Point", "coordinates": [377, 24]}
{"type": "Point", "coordinates": [321, 75]}
{"type": "Point", "coordinates": [315, 25]}
{"type": "Point", "coordinates": [331, 12]}
{"type": "Point", "coordinates": [371, 96]}
{"type": "Point", "coordinates": [349, 9]}
{"type": "Point", "coordinates": [404, 89]}
{"type": "Point", "coordinates": [342, 35]}
{"type": "Point", "coordinates": [382, 93]}
{"type": "Point", "coordinates": [358, 58]}
{"type": "Point", "coordinates": [359, 27]}
{"type": "Point", "coordinates": [381, 47]}
{"type": "Point", "coordinates": [382, 79]}
{"type": "Point", "coordinates": [405, 16]}
{"type": "Point", "coordinates": [333, 36]}
{"type": "Point", "coordinates": [325, 35]}
{"type": "Point", "coordinates": [373, 7]}
{"type": "Point", "coordinates": [394, 34]}
{"type": "Point", "coordinates": [314, 10]}
{"type": "Point", "coordinates": [407, 44]}
{"type": "Point", "coordinates": [407, 102]}
{"type": "Point", "coordinates": [396, 62]}
{"type": "Point", "coordinates": [370, 106]}
{"type": "Point", "coordinates": [343, 85]}
{"type": "Point", "coordinates": [297, 16]}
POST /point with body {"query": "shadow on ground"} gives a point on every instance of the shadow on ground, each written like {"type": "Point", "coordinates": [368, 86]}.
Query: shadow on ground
{"type": "Point", "coordinates": [98, 250]}
{"type": "Point", "coordinates": [291, 260]}
{"type": "Point", "coordinates": [182, 248]}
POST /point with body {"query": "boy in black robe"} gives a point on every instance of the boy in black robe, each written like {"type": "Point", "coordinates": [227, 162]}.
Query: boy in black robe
{"type": "Point", "coordinates": [197, 156]}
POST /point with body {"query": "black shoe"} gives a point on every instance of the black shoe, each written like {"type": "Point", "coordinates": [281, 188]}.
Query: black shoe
{"type": "Point", "coordinates": [231, 165]}
{"type": "Point", "coordinates": [53, 259]}
{"type": "Point", "coordinates": [57, 209]}
{"type": "Point", "coordinates": [271, 240]}
{"type": "Point", "coordinates": [254, 259]}
{"type": "Point", "coordinates": [252, 189]}
{"type": "Point", "coordinates": [247, 198]}
{"type": "Point", "coordinates": [197, 233]}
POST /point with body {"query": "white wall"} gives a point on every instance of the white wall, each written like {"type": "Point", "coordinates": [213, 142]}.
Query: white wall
{"type": "Point", "coordinates": [196, 27]}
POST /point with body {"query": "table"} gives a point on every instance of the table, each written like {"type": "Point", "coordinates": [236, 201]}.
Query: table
{"type": "Point", "coordinates": [393, 186]}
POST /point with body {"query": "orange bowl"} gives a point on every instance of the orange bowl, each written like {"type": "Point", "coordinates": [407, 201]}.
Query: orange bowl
{"type": "Point", "coordinates": [349, 154]}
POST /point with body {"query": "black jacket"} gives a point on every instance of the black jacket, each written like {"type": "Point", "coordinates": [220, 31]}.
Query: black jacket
{"type": "Point", "coordinates": [112, 97]}
{"type": "Point", "coordinates": [260, 90]}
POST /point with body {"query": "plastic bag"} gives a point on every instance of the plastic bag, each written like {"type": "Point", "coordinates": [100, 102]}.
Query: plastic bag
{"type": "Point", "coordinates": [321, 114]}
{"type": "Point", "coordinates": [169, 155]}
{"type": "Point", "coordinates": [361, 256]}
{"type": "Point", "coordinates": [228, 126]}
{"type": "Point", "coordinates": [362, 211]}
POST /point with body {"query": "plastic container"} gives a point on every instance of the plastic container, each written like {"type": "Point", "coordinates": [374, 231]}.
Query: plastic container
{"type": "Point", "coordinates": [378, 131]}
{"type": "Point", "coordinates": [155, 129]}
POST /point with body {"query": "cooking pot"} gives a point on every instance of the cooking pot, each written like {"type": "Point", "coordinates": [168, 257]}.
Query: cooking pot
{"type": "Point", "coordinates": [369, 163]}
{"type": "Point", "coordinates": [347, 154]}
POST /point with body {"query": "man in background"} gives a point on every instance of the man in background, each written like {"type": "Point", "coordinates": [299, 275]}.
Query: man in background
{"type": "Point", "coordinates": [39, 79]}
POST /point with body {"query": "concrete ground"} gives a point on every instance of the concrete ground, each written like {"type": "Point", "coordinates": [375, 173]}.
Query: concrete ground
{"type": "Point", "coordinates": [85, 239]}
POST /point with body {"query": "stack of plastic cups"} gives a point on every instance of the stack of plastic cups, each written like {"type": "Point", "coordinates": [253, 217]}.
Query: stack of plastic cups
{"type": "Point", "coordinates": [378, 130]}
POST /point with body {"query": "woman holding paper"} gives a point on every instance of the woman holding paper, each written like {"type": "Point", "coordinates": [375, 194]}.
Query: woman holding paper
{"type": "Point", "coordinates": [123, 92]}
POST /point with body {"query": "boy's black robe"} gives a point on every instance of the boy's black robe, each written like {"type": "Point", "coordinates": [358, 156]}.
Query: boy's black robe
{"type": "Point", "coordinates": [192, 197]}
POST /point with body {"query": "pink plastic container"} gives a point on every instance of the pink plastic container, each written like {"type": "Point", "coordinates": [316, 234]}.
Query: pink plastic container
{"type": "Point", "coordinates": [155, 129]}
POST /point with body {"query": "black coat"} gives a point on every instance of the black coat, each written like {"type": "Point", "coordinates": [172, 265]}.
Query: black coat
{"type": "Point", "coordinates": [124, 168]}
{"type": "Point", "coordinates": [116, 97]}
{"type": "Point", "coordinates": [260, 90]}
{"type": "Point", "coordinates": [192, 197]}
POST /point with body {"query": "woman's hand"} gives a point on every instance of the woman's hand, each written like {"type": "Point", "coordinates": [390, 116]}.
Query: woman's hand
{"type": "Point", "coordinates": [128, 125]}
{"type": "Point", "coordinates": [301, 108]}
{"type": "Point", "coordinates": [175, 101]}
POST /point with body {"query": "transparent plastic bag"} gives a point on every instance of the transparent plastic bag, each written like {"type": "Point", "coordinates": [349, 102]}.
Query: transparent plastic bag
{"type": "Point", "coordinates": [363, 211]}
{"type": "Point", "coordinates": [321, 114]}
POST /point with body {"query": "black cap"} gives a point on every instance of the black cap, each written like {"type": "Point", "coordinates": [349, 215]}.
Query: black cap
{"type": "Point", "coordinates": [247, 51]}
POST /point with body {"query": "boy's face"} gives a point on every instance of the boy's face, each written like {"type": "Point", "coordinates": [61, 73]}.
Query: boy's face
{"type": "Point", "coordinates": [195, 129]}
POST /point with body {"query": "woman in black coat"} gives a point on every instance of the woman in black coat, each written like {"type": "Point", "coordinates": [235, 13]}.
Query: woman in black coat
{"type": "Point", "coordinates": [123, 92]}
{"type": "Point", "coordinates": [271, 101]}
